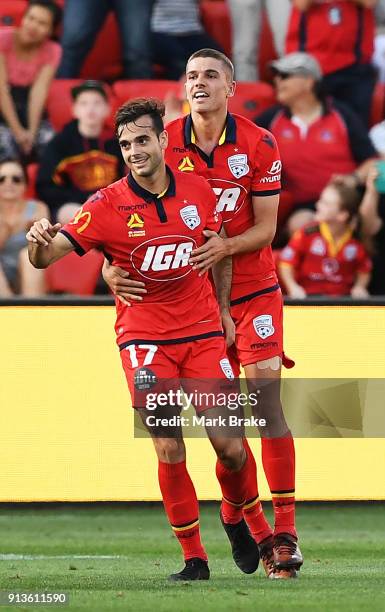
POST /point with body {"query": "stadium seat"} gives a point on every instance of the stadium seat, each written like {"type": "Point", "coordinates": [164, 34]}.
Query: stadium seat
{"type": "Point", "coordinates": [11, 12]}
{"type": "Point", "coordinates": [216, 20]}
{"type": "Point", "coordinates": [124, 90]}
{"type": "Point", "coordinates": [59, 102]}
{"type": "Point", "coordinates": [378, 104]}
{"type": "Point", "coordinates": [75, 275]}
{"type": "Point", "coordinates": [104, 61]}
{"type": "Point", "coordinates": [251, 99]}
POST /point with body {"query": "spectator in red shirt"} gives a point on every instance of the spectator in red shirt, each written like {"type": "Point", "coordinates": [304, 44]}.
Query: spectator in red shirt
{"type": "Point", "coordinates": [317, 137]}
{"type": "Point", "coordinates": [340, 34]}
{"type": "Point", "coordinates": [28, 62]}
{"type": "Point", "coordinates": [326, 257]}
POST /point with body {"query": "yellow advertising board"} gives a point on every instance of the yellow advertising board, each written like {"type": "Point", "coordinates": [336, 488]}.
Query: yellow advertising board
{"type": "Point", "coordinates": [66, 424]}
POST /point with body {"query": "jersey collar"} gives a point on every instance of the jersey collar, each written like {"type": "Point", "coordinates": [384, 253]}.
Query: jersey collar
{"type": "Point", "coordinates": [229, 133]}
{"type": "Point", "coordinates": [148, 196]}
{"type": "Point", "coordinates": [334, 247]}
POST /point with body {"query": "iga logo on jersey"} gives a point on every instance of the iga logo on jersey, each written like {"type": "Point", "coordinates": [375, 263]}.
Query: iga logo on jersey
{"type": "Point", "coordinates": [238, 165]}
{"type": "Point", "coordinates": [190, 216]}
{"type": "Point", "coordinates": [263, 326]}
{"type": "Point", "coordinates": [165, 258]}
{"type": "Point", "coordinates": [226, 368]}
{"type": "Point", "coordinates": [230, 197]}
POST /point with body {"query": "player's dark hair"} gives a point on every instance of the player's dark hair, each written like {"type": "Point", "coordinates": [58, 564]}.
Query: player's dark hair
{"type": "Point", "coordinates": [15, 160]}
{"type": "Point", "coordinates": [214, 54]}
{"type": "Point", "coordinates": [132, 110]}
{"type": "Point", "coordinates": [52, 7]}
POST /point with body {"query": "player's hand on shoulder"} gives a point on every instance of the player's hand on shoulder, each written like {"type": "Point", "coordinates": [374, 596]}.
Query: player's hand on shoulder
{"type": "Point", "coordinates": [212, 251]}
{"type": "Point", "coordinates": [121, 285]}
{"type": "Point", "coordinates": [43, 232]}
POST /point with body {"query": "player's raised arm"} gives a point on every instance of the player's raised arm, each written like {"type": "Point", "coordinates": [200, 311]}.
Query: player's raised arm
{"type": "Point", "coordinates": [45, 245]}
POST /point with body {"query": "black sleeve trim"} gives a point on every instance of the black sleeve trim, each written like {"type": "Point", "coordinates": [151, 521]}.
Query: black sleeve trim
{"type": "Point", "coordinates": [266, 193]}
{"type": "Point", "coordinates": [78, 249]}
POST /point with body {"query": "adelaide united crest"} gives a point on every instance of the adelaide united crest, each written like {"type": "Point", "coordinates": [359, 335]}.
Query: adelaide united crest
{"type": "Point", "coordinates": [238, 165]}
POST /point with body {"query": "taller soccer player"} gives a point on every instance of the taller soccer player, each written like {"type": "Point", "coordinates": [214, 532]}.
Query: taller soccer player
{"type": "Point", "coordinates": [241, 162]}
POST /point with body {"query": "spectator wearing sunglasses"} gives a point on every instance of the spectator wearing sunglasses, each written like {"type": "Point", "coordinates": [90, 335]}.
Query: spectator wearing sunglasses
{"type": "Point", "coordinates": [318, 138]}
{"type": "Point", "coordinates": [28, 62]}
{"type": "Point", "coordinates": [17, 214]}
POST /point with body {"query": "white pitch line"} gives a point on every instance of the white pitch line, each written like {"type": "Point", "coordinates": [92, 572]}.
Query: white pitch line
{"type": "Point", "coordinates": [15, 557]}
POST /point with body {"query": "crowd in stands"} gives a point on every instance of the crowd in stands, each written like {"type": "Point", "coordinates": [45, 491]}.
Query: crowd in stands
{"type": "Point", "coordinates": [310, 71]}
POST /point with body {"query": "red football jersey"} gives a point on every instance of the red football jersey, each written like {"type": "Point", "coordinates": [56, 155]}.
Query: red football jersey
{"type": "Point", "coordinates": [152, 237]}
{"type": "Point", "coordinates": [322, 266]}
{"type": "Point", "coordinates": [246, 162]}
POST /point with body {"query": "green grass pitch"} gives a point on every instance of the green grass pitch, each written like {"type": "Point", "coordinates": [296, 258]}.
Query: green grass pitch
{"type": "Point", "coordinates": [343, 546]}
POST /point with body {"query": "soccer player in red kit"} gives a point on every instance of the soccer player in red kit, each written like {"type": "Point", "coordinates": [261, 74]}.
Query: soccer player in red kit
{"type": "Point", "coordinates": [241, 163]}
{"type": "Point", "coordinates": [148, 223]}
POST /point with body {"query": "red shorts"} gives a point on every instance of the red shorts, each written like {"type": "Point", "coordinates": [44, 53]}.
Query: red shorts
{"type": "Point", "coordinates": [258, 329]}
{"type": "Point", "coordinates": [200, 365]}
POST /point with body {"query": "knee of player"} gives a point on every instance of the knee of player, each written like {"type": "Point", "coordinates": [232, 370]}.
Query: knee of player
{"type": "Point", "coordinates": [170, 450]}
{"type": "Point", "coordinates": [232, 454]}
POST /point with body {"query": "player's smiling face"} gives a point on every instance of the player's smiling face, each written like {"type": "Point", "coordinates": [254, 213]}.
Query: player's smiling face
{"type": "Point", "coordinates": [142, 148]}
{"type": "Point", "coordinates": [208, 84]}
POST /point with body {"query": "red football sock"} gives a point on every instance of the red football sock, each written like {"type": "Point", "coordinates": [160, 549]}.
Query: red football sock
{"type": "Point", "coordinates": [181, 505]}
{"type": "Point", "coordinates": [252, 510]}
{"type": "Point", "coordinates": [278, 458]}
{"type": "Point", "coordinates": [234, 490]}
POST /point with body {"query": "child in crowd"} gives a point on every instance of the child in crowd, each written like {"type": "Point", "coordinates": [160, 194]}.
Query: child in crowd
{"type": "Point", "coordinates": [326, 257]}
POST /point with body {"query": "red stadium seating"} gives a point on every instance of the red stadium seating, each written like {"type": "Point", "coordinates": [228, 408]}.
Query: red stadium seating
{"type": "Point", "coordinates": [378, 104]}
{"type": "Point", "coordinates": [59, 102]}
{"type": "Point", "coordinates": [75, 275]}
{"type": "Point", "coordinates": [11, 12]}
{"type": "Point", "coordinates": [124, 90]}
{"type": "Point", "coordinates": [104, 61]}
{"type": "Point", "coordinates": [251, 99]}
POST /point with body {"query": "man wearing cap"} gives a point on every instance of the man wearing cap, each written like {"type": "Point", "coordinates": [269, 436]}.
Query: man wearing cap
{"type": "Point", "coordinates": [317, 137]}
{"type": "Point", "coordinates": [84, 156]}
